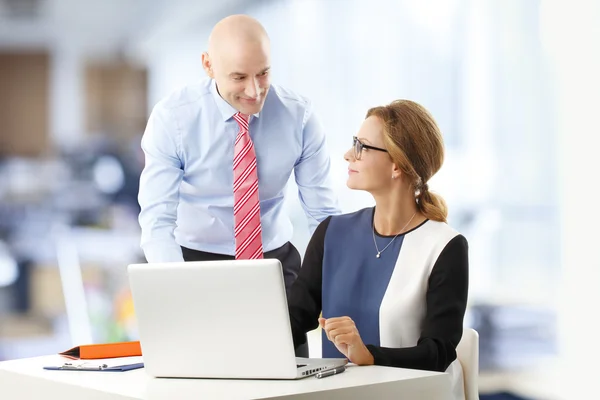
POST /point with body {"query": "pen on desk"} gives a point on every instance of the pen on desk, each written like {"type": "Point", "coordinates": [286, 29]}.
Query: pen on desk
{"type": "Point", "coordinates": [330, 372]}
{"type": "Point", "coordinates": [83, 366]}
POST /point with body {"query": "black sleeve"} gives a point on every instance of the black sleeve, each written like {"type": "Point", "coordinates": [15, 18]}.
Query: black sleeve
{"type": "Point", "coordinates": [304, 299]}
{"type": "Point", "coordinates": [446, 304]}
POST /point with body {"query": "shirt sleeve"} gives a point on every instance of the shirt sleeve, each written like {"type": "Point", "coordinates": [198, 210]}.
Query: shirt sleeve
{"type": "Point", "coordinates": [312, 173]}
{"type": "Point", "coordinates": [446, 301]}
{"type": "Point", "coordinates": [159, 187]}
{"type": "Point", "coordinates": [304, 299]}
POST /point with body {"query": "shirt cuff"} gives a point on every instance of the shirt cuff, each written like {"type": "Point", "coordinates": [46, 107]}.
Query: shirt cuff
{"type": "Point", "coordinates": [159, 252]}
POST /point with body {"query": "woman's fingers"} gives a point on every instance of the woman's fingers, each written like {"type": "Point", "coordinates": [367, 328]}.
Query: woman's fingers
{"type": "Point", "coordinates": [333, 324]}
{"type": "Point", "coordinates": [343, 330]}
{"type": "Point", "coordinates": [345, 338]}
{"type": "Point", "coordinates": [337, 326]}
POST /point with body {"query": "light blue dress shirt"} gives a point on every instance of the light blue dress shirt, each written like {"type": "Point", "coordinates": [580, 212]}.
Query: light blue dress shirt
{"type": "Point", "coordinates": [186, 186]}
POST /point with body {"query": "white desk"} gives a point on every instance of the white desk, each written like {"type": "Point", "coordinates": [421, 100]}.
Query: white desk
{"type": "Point", "coordinates": [26, 379]}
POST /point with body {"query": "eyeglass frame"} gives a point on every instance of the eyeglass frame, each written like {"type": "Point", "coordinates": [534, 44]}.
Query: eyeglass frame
{"type": "Point", "coordinates": [358, 153]}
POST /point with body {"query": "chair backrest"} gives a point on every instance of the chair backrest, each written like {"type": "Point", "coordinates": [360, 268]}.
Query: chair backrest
{"type": "Point", "coordinates": [467, 353]}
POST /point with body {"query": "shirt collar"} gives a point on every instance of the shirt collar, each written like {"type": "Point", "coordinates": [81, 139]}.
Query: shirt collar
{"type": "Point", "coordinates": [227, 111]}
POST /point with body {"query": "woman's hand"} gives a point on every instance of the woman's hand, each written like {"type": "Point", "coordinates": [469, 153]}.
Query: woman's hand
{"type": "Point", "coordinates": [343, 333]}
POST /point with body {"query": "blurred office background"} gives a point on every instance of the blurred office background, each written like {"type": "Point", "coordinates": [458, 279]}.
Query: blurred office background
{"type": "Point", "coordinates": [513, 84]}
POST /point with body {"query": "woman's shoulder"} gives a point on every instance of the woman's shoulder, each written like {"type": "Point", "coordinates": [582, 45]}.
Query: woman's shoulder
{"type": "Point", "coordinates": [435, 236]}
{"type": "Point", "coordinates": [343, 222]}
{"type": "Point", "coordinates": [437, 230]}
{"type": "Point", "coordinates": [338, 226]}
{"type": "Point", "coordinates": [364, 213]}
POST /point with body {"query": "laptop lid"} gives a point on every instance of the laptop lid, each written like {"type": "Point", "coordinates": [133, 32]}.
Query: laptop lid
{"type": "Point", "coordinates": [215, 319]}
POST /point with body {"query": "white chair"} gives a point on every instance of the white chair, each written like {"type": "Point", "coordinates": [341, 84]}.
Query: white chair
{"type": "Point", "coordinates": [467, 353]}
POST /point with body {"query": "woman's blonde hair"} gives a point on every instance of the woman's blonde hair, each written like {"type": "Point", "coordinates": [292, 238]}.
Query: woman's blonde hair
{"type": "Point", "coordinates": [416, 146]}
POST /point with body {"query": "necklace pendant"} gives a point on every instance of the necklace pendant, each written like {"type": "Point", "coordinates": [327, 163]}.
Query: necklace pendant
{"type": "Point", "coordinates": [378, 254]}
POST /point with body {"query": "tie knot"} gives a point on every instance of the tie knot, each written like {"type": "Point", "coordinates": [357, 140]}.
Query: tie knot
{"type": "Point", "coordinates": [242, 119]}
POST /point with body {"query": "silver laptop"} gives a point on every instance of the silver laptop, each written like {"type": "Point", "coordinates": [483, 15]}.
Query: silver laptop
{"type": "Point", "coordinates": [217, 319]}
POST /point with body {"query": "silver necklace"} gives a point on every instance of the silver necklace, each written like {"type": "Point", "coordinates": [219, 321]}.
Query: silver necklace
{"type": "Point", "coordinates": [375, 242]}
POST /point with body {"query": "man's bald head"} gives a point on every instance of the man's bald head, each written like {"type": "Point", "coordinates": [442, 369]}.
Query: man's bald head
{"type": "Point", "coordinates": [238, 58]}
{"type": "Point", "coordinates": [236, 30]}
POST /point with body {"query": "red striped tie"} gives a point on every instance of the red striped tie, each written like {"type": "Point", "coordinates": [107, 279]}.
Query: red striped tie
{"type": "Point", "coordinates": [246, 206]}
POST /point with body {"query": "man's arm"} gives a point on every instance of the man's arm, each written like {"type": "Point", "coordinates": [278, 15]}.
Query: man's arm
{"type": "Point", "coordinates": [159, 187]}
{"type": "Point", "coordinates": [312, 172]}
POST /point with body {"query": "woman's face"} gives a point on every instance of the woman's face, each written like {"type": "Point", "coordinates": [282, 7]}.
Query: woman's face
{"type": "Point", "coordinates": [370, 167]}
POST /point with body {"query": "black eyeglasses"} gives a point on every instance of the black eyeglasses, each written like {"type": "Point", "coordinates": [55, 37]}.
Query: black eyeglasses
{"type": "Point", "coordinates": [359, 146]}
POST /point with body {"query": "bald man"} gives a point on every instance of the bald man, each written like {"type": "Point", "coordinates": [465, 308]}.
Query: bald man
{"type": "Point", "coordinates": [219, 154]}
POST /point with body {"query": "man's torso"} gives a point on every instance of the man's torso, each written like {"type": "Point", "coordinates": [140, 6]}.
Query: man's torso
{"type": "Point", "coordinates": [206, 136]}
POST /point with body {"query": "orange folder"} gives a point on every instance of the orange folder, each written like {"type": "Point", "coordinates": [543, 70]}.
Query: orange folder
{"type": "Point", "coordinates": [107, 350]}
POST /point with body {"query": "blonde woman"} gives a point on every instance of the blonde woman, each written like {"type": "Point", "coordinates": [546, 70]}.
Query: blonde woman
{"type": "Point", "coordinates": [391, 281]}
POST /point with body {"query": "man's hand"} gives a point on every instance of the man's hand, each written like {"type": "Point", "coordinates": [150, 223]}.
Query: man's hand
{"type": "Point", "coordinates": [343, 333]}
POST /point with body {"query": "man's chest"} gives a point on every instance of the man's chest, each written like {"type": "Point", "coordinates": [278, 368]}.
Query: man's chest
{"type": "Point", "coordinates": [208, 158]}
